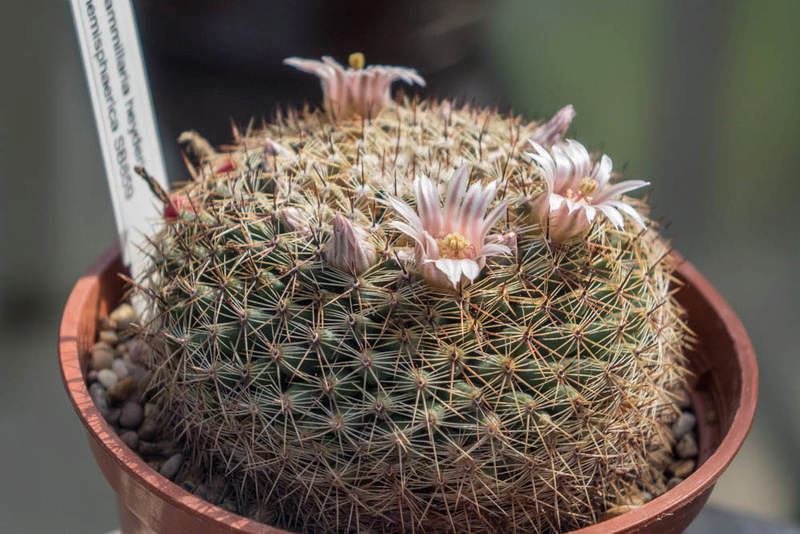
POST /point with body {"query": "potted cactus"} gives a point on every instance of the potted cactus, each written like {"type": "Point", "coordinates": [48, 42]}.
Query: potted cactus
{"type": "Point", "coordinates": [414, 316]}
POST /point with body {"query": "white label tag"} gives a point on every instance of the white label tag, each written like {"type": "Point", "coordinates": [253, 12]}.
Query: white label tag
{"type": "Point", "coordinates": [123, 112]}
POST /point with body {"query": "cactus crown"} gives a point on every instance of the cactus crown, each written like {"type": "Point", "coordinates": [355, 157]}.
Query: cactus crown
{"type": "Point", "coordinates": [311, 339]}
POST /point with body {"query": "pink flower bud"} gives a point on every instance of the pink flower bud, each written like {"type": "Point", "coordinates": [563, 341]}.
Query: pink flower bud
{"type": "Point", "coordinates": [555, 129]}
{"type": "Point", "coordinates": [349, 248]}
{"type": "Point", "coordinates": [294, 218]}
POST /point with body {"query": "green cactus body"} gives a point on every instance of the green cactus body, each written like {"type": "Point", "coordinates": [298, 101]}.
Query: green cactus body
{"type": "Point", "coordinates": [530, 400]}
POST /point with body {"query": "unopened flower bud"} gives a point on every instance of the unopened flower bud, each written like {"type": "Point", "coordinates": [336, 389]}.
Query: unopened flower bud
{"type": "Point", "coordinates": [273, 148]}
{"type": "Point", "coordinates": [349, 249]}
{"type": "Point", "coordinates": [555, 129]}
{"type": "Point", "coordinates": [294, 218]}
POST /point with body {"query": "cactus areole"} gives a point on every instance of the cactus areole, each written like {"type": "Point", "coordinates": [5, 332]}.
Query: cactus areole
{"type": "Point", "coordinates": [413, 316]}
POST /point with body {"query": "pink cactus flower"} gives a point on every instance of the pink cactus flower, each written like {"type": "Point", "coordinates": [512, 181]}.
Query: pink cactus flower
{"type": "Point", "coordinates": [348, 249]}
{"type": "Point", "coordinates": [355, 90]}
{"type": "Point", "coordinates": [451, 243]}
{"type": "Point", "coordinates": [576, 191]}
{"type": "Point", "coordinates": [554, 130]}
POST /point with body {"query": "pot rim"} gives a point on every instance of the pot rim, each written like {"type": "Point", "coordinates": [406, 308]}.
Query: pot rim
{"type": "Point", "coordinates": [103, 435]}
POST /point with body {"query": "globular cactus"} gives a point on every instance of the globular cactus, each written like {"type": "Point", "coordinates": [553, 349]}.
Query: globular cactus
{"type": "Point", "coordinates": [359, 355]}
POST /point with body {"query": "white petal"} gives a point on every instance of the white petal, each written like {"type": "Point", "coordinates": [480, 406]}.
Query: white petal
{"type": "Point", "coordinates": [544, 161]}
{"type": "Point", "coordinates": [455, 194]}
{"type": "Point", "coordinates": [574, 206]}
{"type": "Point", "coordinates": [451, 269]}
{"type": "Point", "coordinates": [493, 249]}
{"type": "Point", "coordinates": [470, 269]}
{"type": "Point", "coordinates": [618, 189]}
{"type": "Point", "coordinates": [409, 231]}
{"type": "Point", "coordinates": [428, 204]}
{"type": "Point", "coordinates": [493, 217]}
{"type": "Point", "coordinates": [635, 215]}
{"type": "Point", "coordinates": [602, 171]}
{"type": "Point", "coordinates": [488, 196]}
{"type": "Point", "coordinates": [612, 214]}
{"type": "Point", "coordinates": [405, 211]}
{"type": "Point", "coordinates": [469, 209]}
{"type": "Point", "coordinates": [431, 248]}
{"type": "Point", "coordinates": [556, 201]}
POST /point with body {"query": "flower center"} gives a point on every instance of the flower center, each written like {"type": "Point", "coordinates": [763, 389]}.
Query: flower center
{"type": "Point", "coordinates": [357, 61]}
{"type": "Point", "coordinates": [585, 188]}
{"type": "Point", "coordinates": [455, 246]}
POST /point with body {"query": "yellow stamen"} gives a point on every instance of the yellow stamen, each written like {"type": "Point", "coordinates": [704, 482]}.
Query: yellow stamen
{"type": "Point", "coordinates": [587, 186]}
{"type": "Point", "coordinates": [455, 242]}
{"type": "Point", "coordinates": [357, 61]}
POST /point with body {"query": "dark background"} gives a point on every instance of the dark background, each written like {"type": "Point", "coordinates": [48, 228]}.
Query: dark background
{"type": "Point", "coordinates": [701, 97]}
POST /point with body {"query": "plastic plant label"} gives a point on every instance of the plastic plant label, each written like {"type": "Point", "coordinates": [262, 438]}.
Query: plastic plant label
{"type": "Point", "coordinates": [123, 112]}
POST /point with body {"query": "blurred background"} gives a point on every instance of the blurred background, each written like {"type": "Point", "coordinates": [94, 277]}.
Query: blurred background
{"type": "Point", "coordinates": [701, 97]}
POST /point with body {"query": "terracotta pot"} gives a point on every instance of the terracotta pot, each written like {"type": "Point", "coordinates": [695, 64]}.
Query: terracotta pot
{"type": "Point", "coordinates": [725, 387]}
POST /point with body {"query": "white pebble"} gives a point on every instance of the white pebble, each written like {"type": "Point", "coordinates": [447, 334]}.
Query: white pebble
{"type": "Point", "coordinates": [107, 377]}
{"type": "Point", "coordinates": [120, 369]}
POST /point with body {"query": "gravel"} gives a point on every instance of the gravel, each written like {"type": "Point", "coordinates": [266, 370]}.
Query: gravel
{"type": "Point", "coordinates": [684, 424]}
{"type": "Point", "coordinates": [107, 377]}
{"type": "Point", "coordinates": [132, 415]}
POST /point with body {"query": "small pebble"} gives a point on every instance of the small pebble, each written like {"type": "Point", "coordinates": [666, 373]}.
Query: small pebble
{"type": "Point", "coordinates": [120, 369]}
{"type": "Point", "coordinates": [683, 401]}
{"type": "Point", "coordinates": [661, 459]}
{"type": "Point", "coordinates": [122, 317]}
{"type": "Point", "coordinates": [682, 468]}
{"type": "Point", "coordinates": [149, 448]}
{"type": "Point", "coordinates": [130, 439]}
{"type": "Point", "coordinates": [120, 391]}
{"type": "Point", "coordinates": [112, 416]}
{"type": "Point", "coordinates": [131, 416]}
{"type": "Point", "coordinates": [170, 468]}
{"type": "Point", "coordinates": [149, 409]}
{"type": "Point", "coordinates": [102, 356]}
{"type": "Point", "coordinates": [98, 394]}
{"type": "Point", "coordinates": [139, 375]}
{"type": "Point", "coordinates": [109, 336]}
{"type": "Point", "coordinates": [646, 496]}
{"type": "Point", "coordinates": [91, 376]}
{"type": "Point", "coordinates": [684, 424]}
{"type": "Point", "coordinates": [148, 431]}
{"type": "Point", "coordinates": [105, 324]}
{"type": "Point", "coordinates": [687, 446]}
{"type": "Point", "coordinates": [107, 377]}
{"type": "Point", "coordinates": [672, 482]}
